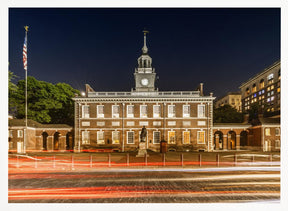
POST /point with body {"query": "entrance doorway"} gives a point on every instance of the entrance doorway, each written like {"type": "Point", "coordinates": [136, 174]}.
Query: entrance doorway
{"type": "Point", "coordinates": [44, 140]}
{"type": "Point", "coordinates": [56, 141]}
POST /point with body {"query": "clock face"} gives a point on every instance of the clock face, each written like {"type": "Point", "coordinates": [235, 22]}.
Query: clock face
{"type": "Point", "coordinates": [144, 81]}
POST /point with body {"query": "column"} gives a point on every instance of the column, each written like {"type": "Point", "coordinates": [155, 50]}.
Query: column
{"type": "Point", "coordinates": [225, 140]}
{"type": "Point", "coordinates": [237, 142]}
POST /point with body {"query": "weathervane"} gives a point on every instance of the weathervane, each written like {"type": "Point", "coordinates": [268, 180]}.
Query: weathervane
{"type": "Point", "coordinates": [145, 32]}
{"type": "Point", "coordinates": [26, 28]}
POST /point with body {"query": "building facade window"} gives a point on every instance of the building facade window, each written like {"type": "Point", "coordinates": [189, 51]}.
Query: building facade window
{"type": "Point", "coordinates": [201, 111]}
{"type": "Point", "coordinates": [277, 144]}
{"type": "Point", "coordinates": [115, 111]}
{"type": "Point", "coordinates": [201, 137]}
{"type": "Point", "coordinates": [156, 137]}
{"type": "Point", "coordinates": [100, 111]}
{"type": "Point", "coordinates": [20, 133]}
{"type": "Point", "coordinates": [261, 84]}
{"type": "Point", "coordinates": [171, 111]}
{"type": "Point", "coordinates": [130, 137]}
{"type": "Point", "coordinates": [186, 110]}
{"type": "Point", "coordinates": [254, 89]}
{"type": "Point", "coordinates": [85, 111]}
{"type": "Point", "coordinates": [143, 111]}
{"type": "Point", "coordinates": [267, 132]}
{"type": "Point", "coordinates": [85, 137]}
{"type": "Point", "coordinates": [156, 111]}
{"type": "Point", "coordinates": [115, 137]}
{"type": "Point", "coordinates": [10, 133]}
{"type": "Point", "coordinates": [186, 137]}
{"type": "Point", "coordinates": [130, 111]}
{"type": "Point", "coordinates": [171, 137]}
{"type": "Point", "coordinates": [277, 132]}
{"type": "Point", "coordinates": [100, 137]}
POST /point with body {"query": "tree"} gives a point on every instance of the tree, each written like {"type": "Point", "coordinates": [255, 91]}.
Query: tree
{"type": "Point", "coordinates": [12, 89]}
{"type": "Point", "coordinates": [227, 114]}
{"type": "Point", "coordinates": [47, 103]}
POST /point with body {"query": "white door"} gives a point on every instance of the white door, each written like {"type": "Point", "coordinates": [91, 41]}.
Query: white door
{"type": "Point", "coordinates": [19, 147]}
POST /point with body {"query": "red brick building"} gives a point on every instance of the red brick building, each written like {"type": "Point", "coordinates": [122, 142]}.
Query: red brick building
{"type": "Point", "coordinates": [114, 119]}
{"type": "Point", "coordinates": [40, 137]}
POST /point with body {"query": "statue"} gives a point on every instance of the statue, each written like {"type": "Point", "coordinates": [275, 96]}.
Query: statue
{"type": "Point", "coordinates": [143, 134]}
{"type": "Point", "coordinates": [142, 152]}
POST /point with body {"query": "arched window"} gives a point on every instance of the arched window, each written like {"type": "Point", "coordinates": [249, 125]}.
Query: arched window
{"type": "Point", "coordinates": [261, 84]}
{"type": "Point", "coordinates": [254, 89]}
{"type": "Point", "coordinates": [247, 91]}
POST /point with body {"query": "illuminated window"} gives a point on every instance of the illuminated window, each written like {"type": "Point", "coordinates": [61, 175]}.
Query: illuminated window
{"type": "Point", "coordinates": [20, 133]}
{"type": "Point", "coordinates": [267, 132]}
{"type": "Point", "coordinates": [85, 111]}
{"type": "Point", "coordinates": [85, 137]}
{"type": "Point", "coordinates": [270, 77]}
{"type": "Point", "coordinates": [130, 111]}
{"type": "Point", "coordinates": [115, 111]}
{"type": "Point", "coordinates": [115, 137]}
{"type": "Point", "coordinates": [272, 98]}
{"type": "Point", "coordinates": [254, 89]}
{"type": "Point", "coordinates": [171, 137]}
{"type": "Point", "coordinates": [100, 111]}
{"type": "Point", "coordinates": [171, 111]}
{"type": "Point", "coordinates": [156, 111]}
{"type": "Point", "coordinates": [272, 87]}
{"type": "Point", "coordinates": [186, 137]}
{"type": "Point", "coordinates": [130, 137]}
{"type": "Point", "coordinates": [277, 144]}
{"type": "Point", "coordinates": [247, 91]}
{"type": "Point", "coordinates": [261, 84]}
{"type": "Point", "coordinates": [143, 111]}
{"type": "Point", "coordinates": [186, 110]}
{"type": "Point", "coordinates": [100, 137]}
{"type": "Point", "coordinates": [278, 89]}
{"type": "Point", "coordinates": [156, 137]}
{"type": "Point", "coordinates": [268, 89]}
{"type": "Point", "coordinates": [201, 137]}
{"type": "Point", "coordinates": [201, 111]}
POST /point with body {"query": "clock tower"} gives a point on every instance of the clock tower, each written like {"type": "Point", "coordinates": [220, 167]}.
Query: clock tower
{"type": "Point", "coordinates": [144, 74]}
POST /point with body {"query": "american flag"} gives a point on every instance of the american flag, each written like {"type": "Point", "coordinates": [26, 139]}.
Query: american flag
{"type": "Point", "coordinates": [25, 53]}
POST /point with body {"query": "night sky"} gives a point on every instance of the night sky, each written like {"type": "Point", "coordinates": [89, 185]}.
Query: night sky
{"type": "Point", "coordinates": [220, 47]}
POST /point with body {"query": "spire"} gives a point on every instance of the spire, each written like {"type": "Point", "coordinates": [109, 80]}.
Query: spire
{"type": "Point", "coordinates": [145, 49]}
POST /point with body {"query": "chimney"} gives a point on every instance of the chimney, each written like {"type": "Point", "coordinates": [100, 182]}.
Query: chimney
{"type": "Point", "coordinates": [211, 94]}
{"type": "Point", "coordinates": [201, 89]}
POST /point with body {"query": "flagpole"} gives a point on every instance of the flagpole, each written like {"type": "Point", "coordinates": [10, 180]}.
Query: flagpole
{"type": "Point", "coordinates": [26, 105]}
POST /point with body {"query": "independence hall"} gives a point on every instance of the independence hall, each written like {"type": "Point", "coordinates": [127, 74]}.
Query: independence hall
{"type": "Point", "coordinates": [114, 119]}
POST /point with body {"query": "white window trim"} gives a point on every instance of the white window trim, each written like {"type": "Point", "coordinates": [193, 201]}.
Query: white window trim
{"type": "Point", "coordinates": [154, 137]}
{"type": "Point", "coordinates": [186, 115]}
{"type": "Point", "coordinates": [102, 140]}
{"type": "Point", "coordinates": [172, 131]}
{"type": "Point", "coordinates": [88, 137]}
{"type": "Point", "coordinates": [269, 132]}
{"type": "Point", "coordinates": [127, 137]}
{"type": "Point", "coordinates": [183, 137]}
{"type": "Point", "coordinates": [279, 133]}
{"type": "Point", "coordinates": [141, 114]}
{"type": "Point", "coordinates": [198, 132]}
{"type": "Point", "coordinates": [115, 115]}
{"type": "Point", "coordinates": [83, 111]}
{"type": "Point", "coordinates": [98, 114]}
{"type": "Point", "coordinates": [19, 133]}
{"type": "Point", "coordinates": [130, 115]}
{"type": "Point", "coordinates": [198, 111]}
{"type": "Point", "coordinates": [279, 143]}
{"type": "Point", "coordinates": [171, 115]}
{"type": "Point", "coordinates": [113, 134]}
{"type": "Point", "coordinates": [10, 133]}
{"type": "Point", "coordinates": [156, 115]}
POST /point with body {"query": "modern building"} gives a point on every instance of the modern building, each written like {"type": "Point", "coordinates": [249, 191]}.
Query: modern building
{"type": "Point", "coordinates": [231, 98]}
{"type": "Point", "coordinates": [264, 91]}
{"type": "Point", "coordinates": [114, 119]}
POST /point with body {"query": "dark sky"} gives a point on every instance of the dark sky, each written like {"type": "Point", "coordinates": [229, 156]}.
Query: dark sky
{"type": "Point", "coordinates": [220, 47]}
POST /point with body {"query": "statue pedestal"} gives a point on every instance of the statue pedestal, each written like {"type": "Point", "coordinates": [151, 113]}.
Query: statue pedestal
{"type": "Point", "coordinates": [142, 150]}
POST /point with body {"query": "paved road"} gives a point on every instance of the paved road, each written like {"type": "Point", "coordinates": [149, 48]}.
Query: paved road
{"type": "Point", "coordinates": [148, 186]}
